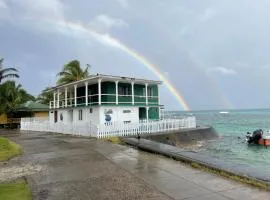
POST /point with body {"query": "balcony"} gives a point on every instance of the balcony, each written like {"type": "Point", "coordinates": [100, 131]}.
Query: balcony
{"type": "Point", "coordinates": [106, 99]}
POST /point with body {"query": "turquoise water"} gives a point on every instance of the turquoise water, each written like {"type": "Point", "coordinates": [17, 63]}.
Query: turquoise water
{"type": "Point", "coordinates": [232, 129]}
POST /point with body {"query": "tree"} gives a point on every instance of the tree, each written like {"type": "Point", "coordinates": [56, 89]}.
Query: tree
{"type": "Point", "coordinates": [12, 96]}
{"type": "Point", "coordinates": [46, 96]}
{"type": "Point", "coordinates": [71, 72]}
{"type": "Point", "coordinates": [7, 72]}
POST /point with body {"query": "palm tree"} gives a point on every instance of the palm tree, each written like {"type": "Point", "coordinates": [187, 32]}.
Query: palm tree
{"type": "Point", "coordinates": [7, 72]}
{"type": "Point", "coordinates": [71, 72]}
{"type": "Point", "coordinates": [45, 97]}
{"type": "Point", "coordinates": [12, 96]}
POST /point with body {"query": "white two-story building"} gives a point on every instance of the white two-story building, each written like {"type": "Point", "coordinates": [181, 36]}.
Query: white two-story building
{"type": "Point", "coordinates": [104, 105]}
{"type": "Point", "coordinates": [101, 99]}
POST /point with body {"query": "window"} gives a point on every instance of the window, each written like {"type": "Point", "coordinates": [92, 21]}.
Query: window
{"type": "Point", "coordinates": [91, 110]}
{"type": "Point", "coordinates": [143, 92]}
{"type": "Point", "coordinates": [124, 90]}
{"type": "Point", "coordinates": [108, 111]}
{"type": "Point", "coordinates": [80, 115]}
{"type": "Point", "coordinates": [127, 122]}
{"type": "Point", "coordinates": [126, 111]}
{"type": "Point", "coordinates": [150, 91]}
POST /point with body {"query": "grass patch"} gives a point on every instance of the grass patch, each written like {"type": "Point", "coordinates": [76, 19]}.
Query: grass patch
{"type": "Point", "coordinates": [18, 190]}
{"type": "Point", "coordinates": [8, 149]}
{"type": "Point", "coordinates": [115, 140]}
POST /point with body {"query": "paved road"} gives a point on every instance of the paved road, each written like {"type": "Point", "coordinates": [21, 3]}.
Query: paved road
{"type": "Point", "coordinates": [83, 168]}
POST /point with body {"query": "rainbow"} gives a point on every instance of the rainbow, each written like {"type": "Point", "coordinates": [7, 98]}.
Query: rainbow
{"type": "Point", "coordinates": [108, 40]}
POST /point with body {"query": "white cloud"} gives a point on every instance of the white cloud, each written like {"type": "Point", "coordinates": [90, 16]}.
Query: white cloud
{"type": "Point", "coordinates": [222, 70]}
{"type": "Point", "coordinates": [123, 3]}
{"type": "Point", "coordinates": [208, 14]}
{"type": "Point", "coordinates": [4, 10]}
{"type": "Point", "coordinates": [42, 8]}
{"type": "Point", "coordinates": [105, 22]}
{"type": "Point", "coordinates": [267, 66]}
{"type": "Point", "coordinates": [186, 31]}
{"type": "Point", "coordinates": [3, 4]}
{"type": "Point", "coordinates": [242, 65]}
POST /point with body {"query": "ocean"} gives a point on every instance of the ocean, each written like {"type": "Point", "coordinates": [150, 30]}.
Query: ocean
{"type": "Point", "coordinates": [232, 128]}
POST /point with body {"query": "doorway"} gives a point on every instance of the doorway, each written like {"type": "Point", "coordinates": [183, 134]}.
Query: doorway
{"type": "Point", "coordinates": [55, 116]}
{"type": "Point", "coordinates": [142, 113]}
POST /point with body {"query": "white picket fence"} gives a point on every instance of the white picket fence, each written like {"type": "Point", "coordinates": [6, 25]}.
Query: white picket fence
{"type": "Point", "coordinates": [145, 127]}
{"type": "Point", "coordinates": [109, 129]}
{"type": "Point", "coordinates": [41, 124]}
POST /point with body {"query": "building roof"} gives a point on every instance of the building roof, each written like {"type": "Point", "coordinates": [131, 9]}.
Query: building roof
{"type": "Point", "coordinates": [33, 106]}
{"type": "Point", "coordinates": [94, 78]}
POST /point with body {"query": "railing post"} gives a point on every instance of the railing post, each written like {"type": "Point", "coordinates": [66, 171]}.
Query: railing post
{"type": "Point", "coordinates": [98, 133]}
{"type": "Point", "coordinates": [99, 91]}
{"type": "Point", "coordinates": [75, 95]}
{"type": "Point", "coordinates": [116, 92]}
{"type": "Point", "coordinates": [86, 93]}
{"type": "Point", "coordinates": [54, 100]}
{"type": "Point", "coordinates": [66, 97]}
{"type": "Point", "coordinates": [132, 93]}
{"type": "Point", "coordinates": [58, 98]}
{"type": "Point", "coordinates": [146, 93]}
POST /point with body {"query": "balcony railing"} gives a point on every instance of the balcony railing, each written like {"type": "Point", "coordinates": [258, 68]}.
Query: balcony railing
{"type": "Point", "coordinates": [105, 100]}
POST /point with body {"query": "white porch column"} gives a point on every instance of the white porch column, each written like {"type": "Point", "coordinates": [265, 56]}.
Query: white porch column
{"type": "Point", "coordinates": [132, 92]}
{"type": "Point", "coordinates": [146, 93]}
{"type": "Point", "coordinates": [75, 95]}
{"type": "Point", "coordinates": [116, 92]}
{"type": "Point", "coordinates": [58, 98]}
{"type": "Point", "coordinates": [159, 114]}
{"type": "Point", "coordinates": [54, 100]}
{"type": "Point", "coordinates": [66, 101]}
{"type": "Point", "coordinates": [86, 93]}
{"type": "Point", "coordinates": [147, 114]}
{"type": "Point", "coordinates": [99, 91]}
{"type": "Point", "coordinates": [70, 98]}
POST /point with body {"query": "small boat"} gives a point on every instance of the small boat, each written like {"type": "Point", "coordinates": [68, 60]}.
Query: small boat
{"type": "Point", "coordinates": [224, 112]}
{"type": "Point", "coordinates": [258, 137]}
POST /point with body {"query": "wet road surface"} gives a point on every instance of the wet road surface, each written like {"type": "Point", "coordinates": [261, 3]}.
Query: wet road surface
{"type": "Point", "coordinates": [85, 168]}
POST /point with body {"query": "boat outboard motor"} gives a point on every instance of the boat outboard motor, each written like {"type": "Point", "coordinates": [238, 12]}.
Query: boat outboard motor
{"type": "Point", "coordinates": [255, 137]}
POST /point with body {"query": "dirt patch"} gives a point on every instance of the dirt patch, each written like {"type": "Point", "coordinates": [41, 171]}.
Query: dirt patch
{"type": "Point", "coordinates": [10, 173]}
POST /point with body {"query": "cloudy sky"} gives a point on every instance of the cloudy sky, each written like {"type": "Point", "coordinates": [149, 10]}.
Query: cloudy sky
{"type": "Point", "coordinates": [215, 52]}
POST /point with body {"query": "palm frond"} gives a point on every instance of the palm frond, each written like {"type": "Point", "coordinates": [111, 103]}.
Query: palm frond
{"type": "Point", "coordinates": [63, 73]}
{"type": "Point", "coordinates": [10, 76]}
{"type": "Point", "coordinates": [5, 70]}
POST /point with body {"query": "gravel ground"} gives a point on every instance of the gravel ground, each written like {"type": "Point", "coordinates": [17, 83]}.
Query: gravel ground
{"type": "Point", "coordinates": [64, 167]}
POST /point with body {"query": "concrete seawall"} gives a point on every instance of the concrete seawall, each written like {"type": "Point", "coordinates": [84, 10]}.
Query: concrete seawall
{"type": "Point", "coordinates": [184, 137]}
{"type": "Point", "coordinates": [219, 164]}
